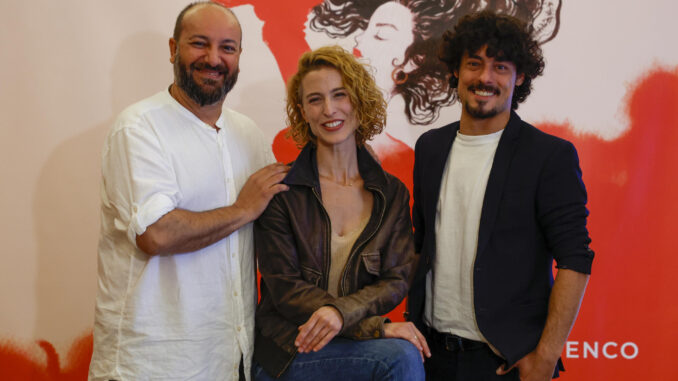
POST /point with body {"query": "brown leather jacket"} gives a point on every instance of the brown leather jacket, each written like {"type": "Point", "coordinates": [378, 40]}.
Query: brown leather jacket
{"type": "Point", "coordinates": [292, 243]}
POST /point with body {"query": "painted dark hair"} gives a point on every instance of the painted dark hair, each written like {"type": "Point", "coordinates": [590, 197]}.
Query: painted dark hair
{"type": "Point", "coordinates": [426, 89]}
{"type": "Point", "coordinates": [506, 37]}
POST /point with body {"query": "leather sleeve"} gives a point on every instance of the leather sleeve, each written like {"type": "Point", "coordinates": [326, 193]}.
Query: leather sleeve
{"type": "Point", "coordinates": [371, 327]}
{"type": "Point", "coordinates": [291, 286]}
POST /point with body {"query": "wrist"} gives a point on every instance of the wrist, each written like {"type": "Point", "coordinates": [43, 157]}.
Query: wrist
{"type": "Point", "coordinates": [243, 215]}
{"type": "Point", "coordinates": [547, 354]}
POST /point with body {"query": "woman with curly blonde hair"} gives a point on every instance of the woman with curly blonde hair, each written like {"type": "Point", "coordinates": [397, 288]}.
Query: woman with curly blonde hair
{"type": "Point", "coordinates": [335, 251]}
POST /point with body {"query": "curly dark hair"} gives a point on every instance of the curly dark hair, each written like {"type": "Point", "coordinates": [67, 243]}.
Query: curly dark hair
{"type": "Point", "coordinates": [506, 38]}
{"type": "Point", "coordinates": [426, 89]}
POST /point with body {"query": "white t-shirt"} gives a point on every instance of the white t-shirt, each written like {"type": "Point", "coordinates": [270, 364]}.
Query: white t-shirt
{"type": "Point", "coordinates": [449, 288]}
{"type": "Point", "coordinates": [185, 316]}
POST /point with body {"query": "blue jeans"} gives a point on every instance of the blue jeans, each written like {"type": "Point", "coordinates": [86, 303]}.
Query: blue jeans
{"type": "Point", "coordinates": [349, 360]}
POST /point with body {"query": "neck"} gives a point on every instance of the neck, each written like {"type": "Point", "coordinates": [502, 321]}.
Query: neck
{"type": "Point", "coordinates": [338, 163]}
{"type": "Point", "coordinates": [469, 125]}
{"type": "Point", "coordinates": [209, 114]}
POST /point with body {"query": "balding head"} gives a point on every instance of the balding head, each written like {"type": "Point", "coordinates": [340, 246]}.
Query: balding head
{"type": "Point", "coordinates": [179, 24]}
{"type": "Point", "coordinates": [206, 52]}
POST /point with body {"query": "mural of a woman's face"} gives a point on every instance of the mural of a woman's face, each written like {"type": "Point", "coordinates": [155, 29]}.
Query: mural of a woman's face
{"type": "Point", "coordinates": [383, 44]}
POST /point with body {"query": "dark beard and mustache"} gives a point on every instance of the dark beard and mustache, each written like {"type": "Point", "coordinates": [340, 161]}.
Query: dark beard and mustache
{"type": "Point", "coordinates": [479, 112]}
{"type": "Point", "coordinates": [210, 92]}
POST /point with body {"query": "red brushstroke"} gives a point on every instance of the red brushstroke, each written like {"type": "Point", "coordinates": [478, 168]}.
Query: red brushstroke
{"type": "Point", "coordinates": [283, 29]}
{"type": "Point", "coordinates": [633, 187]}
{"type": "Point", "coordinates": [19, 362]}
{"type": "Point", "coordinates": [632, 184]}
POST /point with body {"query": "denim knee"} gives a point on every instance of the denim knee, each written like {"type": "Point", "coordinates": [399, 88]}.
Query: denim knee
{"type": "Point", "coordinates": [404, 360]}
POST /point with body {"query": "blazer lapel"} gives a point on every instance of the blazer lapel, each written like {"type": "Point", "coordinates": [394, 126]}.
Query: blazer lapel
{"type": "Point", "coordinates": [438, 159]}
{"type": "Point", "coordinates": [495, 184]}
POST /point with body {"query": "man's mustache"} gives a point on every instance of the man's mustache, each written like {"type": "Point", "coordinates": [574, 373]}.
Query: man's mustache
{"type": "Point", "coordinates": [221, 69]}
{"type": "Point", "coordinates": [481, 87]}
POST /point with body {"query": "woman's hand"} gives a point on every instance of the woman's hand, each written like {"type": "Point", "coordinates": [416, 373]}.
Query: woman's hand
{"type": "Point", "coordinates": [409, 332]}
{"type": "Point", "coordinates": [321, 327]}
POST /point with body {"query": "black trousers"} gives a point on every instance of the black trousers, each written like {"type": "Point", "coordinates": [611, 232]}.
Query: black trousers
{"type": "Point", "coordinates": [457, 359]}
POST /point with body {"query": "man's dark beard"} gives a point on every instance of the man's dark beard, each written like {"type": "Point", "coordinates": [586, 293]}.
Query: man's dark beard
{"type": "Point", "coordinates": [479, 113]}
{"type": "Point", "coordinates": [198, 93]}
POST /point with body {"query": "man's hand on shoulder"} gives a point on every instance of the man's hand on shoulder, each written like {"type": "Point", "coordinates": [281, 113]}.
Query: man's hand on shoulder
{"type": "Point", "coordinates": [183, 231]}
{"type": "Point", "coordinates": [260, 188]}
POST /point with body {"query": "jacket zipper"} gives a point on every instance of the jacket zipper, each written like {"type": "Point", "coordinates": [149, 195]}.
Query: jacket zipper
{"type": "Point", "coordinates": [328, 238]}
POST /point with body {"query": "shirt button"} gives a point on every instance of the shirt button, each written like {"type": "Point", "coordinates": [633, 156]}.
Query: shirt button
{"type": "Point", "coordinates": [235, 293]}
{"type": "Point", "coordinates": [237, 328]}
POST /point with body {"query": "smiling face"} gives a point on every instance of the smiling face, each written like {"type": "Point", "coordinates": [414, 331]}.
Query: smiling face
{"type": "Point", "coordinates": [327, 108]}
{"type": "Point", "coordinates": [207, 53]}
{"type": "Point", "coordinates": [388, 34]}
{"type": "Point", "coordinates": [486, 85]}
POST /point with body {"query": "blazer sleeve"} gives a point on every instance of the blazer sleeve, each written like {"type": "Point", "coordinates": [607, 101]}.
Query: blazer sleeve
{"type": "Point", "coordinates": [561, 210]}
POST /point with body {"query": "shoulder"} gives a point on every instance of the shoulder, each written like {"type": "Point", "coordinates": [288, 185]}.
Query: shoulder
{"type": "Point", "coordinates": [437, 135]}
{"type": "Point", "coordinates": [138, 114]}
{"type": "Point", "coordinates": [240, 123]}
{"type": "Point", "coordinates": [246, 137]}
{"type": "Point", "coordinates": [140, 120]}
{"type": "Point", "coordinates": [541, 139]}
{"type": "Point", "coordinates": [395, 188]}
{"type": "Point", "coordinates": [536, 148]}
{"type": "Point", "coordinates": [243, 127]}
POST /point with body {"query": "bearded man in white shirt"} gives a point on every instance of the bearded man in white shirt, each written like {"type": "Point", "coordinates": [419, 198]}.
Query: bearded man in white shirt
{"type": "Point", "coordinates": [183, 177]}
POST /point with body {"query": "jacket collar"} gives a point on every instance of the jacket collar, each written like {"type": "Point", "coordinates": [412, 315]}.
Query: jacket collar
{"type": "Point", "coordinates": [304, 170]}
{"type": "Point", "coordinates": [511, 131]}
{"type": "Point", "coordinates": [508, 143]}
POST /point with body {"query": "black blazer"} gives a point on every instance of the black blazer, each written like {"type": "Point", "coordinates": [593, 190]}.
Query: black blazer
{"type": "Point", "coordinates": [534, 211]}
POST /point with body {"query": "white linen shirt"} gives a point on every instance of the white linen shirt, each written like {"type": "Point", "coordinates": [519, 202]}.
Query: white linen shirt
{"type": "Point", "coordinates": [449, 288]}
{"type": "Point", "coordinates": [185, 316]}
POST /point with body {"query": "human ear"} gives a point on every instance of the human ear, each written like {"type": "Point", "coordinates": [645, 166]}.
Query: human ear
{"type": "Point", "coordinates": [173, 49]}
{"type": "Point", "coordinates": [520, 79]}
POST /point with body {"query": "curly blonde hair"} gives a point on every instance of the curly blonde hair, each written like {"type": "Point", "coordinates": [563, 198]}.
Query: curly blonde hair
{"type": "Point", "coordinates": [366, 99]}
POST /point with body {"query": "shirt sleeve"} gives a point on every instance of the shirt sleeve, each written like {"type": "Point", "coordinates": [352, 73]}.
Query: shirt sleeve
{"type": "Point", "coordinates": [139, 181]}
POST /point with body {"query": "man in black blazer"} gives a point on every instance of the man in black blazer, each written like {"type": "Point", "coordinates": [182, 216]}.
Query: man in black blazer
{"type": "Point", "coordinates": [495, 202]}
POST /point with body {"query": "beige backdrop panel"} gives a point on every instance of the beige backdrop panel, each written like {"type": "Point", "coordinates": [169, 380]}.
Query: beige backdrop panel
{"type": "Point", "coordinates": [68, 68]}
